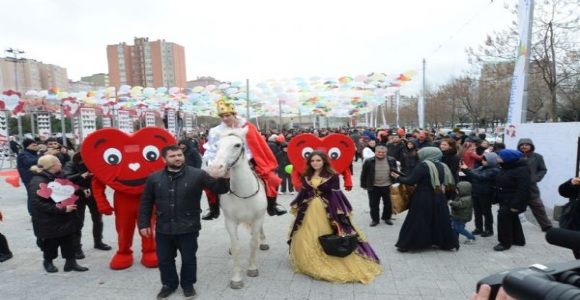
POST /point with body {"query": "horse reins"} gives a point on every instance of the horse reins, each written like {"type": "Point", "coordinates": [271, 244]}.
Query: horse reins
{"type": "Point", "coordinates": [242, 151]}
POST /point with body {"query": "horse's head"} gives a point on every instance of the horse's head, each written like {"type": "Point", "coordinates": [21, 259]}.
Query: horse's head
{"type": "Point", "coordinates": [230, 151]}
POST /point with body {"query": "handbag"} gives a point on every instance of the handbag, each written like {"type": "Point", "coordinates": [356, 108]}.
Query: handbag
{"type": "Point", "coordinates": [400, 196]}
{"type": "Point", "coordinates": [338, 244]}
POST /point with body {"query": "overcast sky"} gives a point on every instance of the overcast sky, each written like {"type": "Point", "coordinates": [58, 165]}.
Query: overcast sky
{"type": "Point", "coordinates": [233, 40]}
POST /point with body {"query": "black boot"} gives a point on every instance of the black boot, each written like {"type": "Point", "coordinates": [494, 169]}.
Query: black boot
{"type": "Point", "coordinates": [49, 267]}
{"type": "Point", "coordinates": [274, 209]}
{"type": "Point", "coordinates": [212, 213]}
{"type": "Point", "coordinates": [79, 254]}
{"type": "Point", "coordinates": [71, 265]}
{"type": "Point", "coordinates": [102, 246]}
{"type": "Point", "coordinates": [5, 256]}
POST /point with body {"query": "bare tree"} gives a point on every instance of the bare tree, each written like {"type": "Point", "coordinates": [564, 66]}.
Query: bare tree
{"type": "Point", "coordinates": [555, 28]}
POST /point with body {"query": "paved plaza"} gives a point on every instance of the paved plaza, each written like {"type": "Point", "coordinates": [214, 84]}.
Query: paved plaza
{"type": "Point", "coordinates": [429, 274]}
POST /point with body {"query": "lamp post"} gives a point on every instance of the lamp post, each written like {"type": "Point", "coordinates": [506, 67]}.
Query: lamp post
{"type": "Point", "coordinates": [15, 53]}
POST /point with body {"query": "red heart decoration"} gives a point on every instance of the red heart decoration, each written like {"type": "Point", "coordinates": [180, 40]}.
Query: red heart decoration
{"type": "Point", "coordinates": [339, 148]}
{"type": "Point", "coordinates": [123, 161]}
{"type": "Point", "coordinates": [13, 180]}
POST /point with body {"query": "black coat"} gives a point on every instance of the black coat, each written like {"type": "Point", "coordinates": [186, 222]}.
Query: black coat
{"type": "Point", "coordinates": [409, 162]}
{"type": "Point", "coordinates": [513, 185]}
{"type": "Point", "coordinates": [572, 192]}
{"type": "Point", "coordinates": [396, 150]}
{"type": "Point", "coordinates": [176, 197]}
{"type": "Point", "coordinates": [24, 161]}
{"type": "Point", "coordinates": [483, 180]}
{"type": "Point", "coordinates": [283, 161]}
{"type": "Point", "coordinates": [192, 157]}
{"type": "Point", "coordinates": [451, 159]}
{"type": "Point", "coordinates": [49, 221]}
{"type": "Point", "coordinates": [427, 221]}
{"type": "Point", "coordinates": [367, 176]}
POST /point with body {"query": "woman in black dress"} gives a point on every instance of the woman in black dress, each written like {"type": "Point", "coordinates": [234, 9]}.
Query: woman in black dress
{"type": "Point", "coordinates": [427, 222]}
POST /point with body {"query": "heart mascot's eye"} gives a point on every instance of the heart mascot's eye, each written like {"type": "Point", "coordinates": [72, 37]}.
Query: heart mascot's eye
{"type": "Point", "coordinates": [150, 153]}
{"type": "Point", "coordinates": [112, 156]}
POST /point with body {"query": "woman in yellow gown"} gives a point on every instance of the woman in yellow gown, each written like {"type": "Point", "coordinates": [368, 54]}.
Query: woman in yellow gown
{"type": "Point", "coordinates": [321, 208]}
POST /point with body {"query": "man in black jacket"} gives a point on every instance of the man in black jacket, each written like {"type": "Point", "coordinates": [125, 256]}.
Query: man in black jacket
{"type": "Point", "coordinates": [175, 192]}
{"type": "Point", "coordinates": [376, 179]}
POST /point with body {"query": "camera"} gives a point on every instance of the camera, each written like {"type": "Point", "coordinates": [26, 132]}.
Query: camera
{"type": "Point", "coordinates": [555, 281]}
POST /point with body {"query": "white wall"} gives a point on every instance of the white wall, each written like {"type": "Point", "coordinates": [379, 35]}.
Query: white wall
{"type": "Point", "coordinates": [558, 143]}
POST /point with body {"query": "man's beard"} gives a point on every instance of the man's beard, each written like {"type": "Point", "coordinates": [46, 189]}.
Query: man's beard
{"type": "Point", "coordinates": [175, 166]}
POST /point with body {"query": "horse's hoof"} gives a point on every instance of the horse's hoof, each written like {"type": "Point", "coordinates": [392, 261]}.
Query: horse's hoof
{"type": "Point", "coordinates": [252, 273]}
{"type": "Point", "coordinates": [264, 247]}
{"type": "Point", "coordinates": [236, 285]}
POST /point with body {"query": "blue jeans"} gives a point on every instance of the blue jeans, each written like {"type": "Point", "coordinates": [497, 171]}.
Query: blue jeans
{"type": "Point", "coordinates": [459, 228]}
{"type": "Point", "coordinates": [167, 246]}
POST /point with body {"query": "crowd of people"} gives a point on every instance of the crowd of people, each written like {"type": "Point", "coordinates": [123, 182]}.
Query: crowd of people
{"type": "Point", "coordinates": [456, 177]}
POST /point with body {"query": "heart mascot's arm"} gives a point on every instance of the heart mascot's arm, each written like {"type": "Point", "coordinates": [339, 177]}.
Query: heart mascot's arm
{"type": "Point", "coordinates": [296, 182]}
{"type": "Point", "coordinates": [347, 177]}
{"type": "Point", "coordinates": [100, 197]}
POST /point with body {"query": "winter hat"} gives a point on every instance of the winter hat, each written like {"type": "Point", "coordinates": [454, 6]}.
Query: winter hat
{"type": "Point", "coordinates": [509, 155]}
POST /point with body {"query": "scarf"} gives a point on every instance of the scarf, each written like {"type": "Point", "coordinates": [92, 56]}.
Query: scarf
{"type": "Point", "coordinates": [431, 155]}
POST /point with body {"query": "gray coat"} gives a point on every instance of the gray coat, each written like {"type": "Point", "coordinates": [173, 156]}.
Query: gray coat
{"type": "Point", "coordinates": [537, 166]}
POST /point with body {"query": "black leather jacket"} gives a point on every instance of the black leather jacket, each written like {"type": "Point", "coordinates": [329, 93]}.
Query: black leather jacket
{"type": "Point", "coordinates": [176, 197]}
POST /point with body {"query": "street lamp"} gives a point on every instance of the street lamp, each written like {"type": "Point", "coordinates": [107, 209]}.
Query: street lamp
{"type": "Point", "coordinates": [15, 52]}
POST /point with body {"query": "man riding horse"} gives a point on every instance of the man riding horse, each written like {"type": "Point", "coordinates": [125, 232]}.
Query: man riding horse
{"type": "Point", "coordinates": [257, 151]}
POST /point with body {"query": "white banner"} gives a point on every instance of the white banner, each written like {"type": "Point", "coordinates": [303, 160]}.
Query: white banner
{"type": "Point", "coordinates": [188, 122]}
{"type": "Point", "coordinates": [515, 108]}
{"type": "Point", "coordinates": [125, 123]}
{"type": "Point", "coordinates": [88, 119]}
{"type": "Point", "coordinates": [150, 120]}
{"type": "Point", "coordinates": [421, 111]}
{"type": "Point", "coordinates": [171, 122]}
{"type": "Point", "coordinates": [4, 139]}
{"type": "Point", "coordinates": [107, 122]}
{"type": "Point", "coordinates": [43, 126]}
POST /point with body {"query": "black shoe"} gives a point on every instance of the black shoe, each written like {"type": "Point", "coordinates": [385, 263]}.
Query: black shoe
{"type": "Point", "coordinates": [487, 233]}
{"type": "Point", "coordinates": [5, 256]}
{"type": "Point", "coordinates": [49, 267]}
{"type": "Point", "coordinates": [403, 250]}
{"type": "Point", "coordinates": [477, 232]}
{"type": "Point", "coordinates": [102, 246]}
{"type": "Point", "coordinates": [546, 228]}
{"type": "Point", "coordinates": [165, 292]}
{"type": "Point", "coordinates": [71, 265]}
{"type": "Point", "coordinates": [212, 213]}
{"type": "Point", "coordinates": [189, 292]}
{"type": "Point", "coordinates": [388, 222]}
{"type": "Point", "coordinates": [374, 223]}
{"type": "Point", "coordinates": [274, 209]}
{"type": "Point", "coordinates": [500, 247]}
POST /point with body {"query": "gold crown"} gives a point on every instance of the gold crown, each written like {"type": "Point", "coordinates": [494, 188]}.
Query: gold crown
{"type": "Point", "coordinates": [225, 107]}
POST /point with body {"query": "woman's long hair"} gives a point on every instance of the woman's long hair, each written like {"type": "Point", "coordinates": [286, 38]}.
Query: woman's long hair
{"type": "Point", "coordinates": [327, 169]}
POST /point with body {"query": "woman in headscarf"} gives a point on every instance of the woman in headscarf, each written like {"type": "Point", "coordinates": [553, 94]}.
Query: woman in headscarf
{"type": "Point", "coordinates": [513, 194]}
{"type": "Point", "coordinates": [427, 223]}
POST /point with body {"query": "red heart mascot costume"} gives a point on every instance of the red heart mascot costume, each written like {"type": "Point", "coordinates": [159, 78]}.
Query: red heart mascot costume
{"type": "Point", "coordinates": [339, 148]}
{"type": "Point", "coordinates": [123, 161]}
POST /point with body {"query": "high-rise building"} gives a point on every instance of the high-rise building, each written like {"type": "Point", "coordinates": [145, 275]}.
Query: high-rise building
{"type": "Point", "coordinates": [147, 64]}
{"type": "Point", "coordinates": [97, 80]}
{"type": "Point", "coordinates": [31, 75]}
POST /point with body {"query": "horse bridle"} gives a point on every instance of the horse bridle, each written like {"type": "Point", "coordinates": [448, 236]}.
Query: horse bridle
{"type": "Point", "coordinates": [242, 151]}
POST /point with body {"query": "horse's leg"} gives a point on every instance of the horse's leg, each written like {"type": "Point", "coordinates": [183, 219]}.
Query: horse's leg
{"type": "Point", "coordinates": [254, 241]}
{"type": "Point", "coordinates": [232, 228]}
{"type": "Point", "coordinates": [263, 244]}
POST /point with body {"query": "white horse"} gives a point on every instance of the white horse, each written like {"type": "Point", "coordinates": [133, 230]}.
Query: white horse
{"type": "Point", "coordinates": [245, 203]}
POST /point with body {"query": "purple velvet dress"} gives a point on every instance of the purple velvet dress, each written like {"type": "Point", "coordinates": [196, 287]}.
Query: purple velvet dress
{"type": "Point", "coordinates": [314, 202]}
